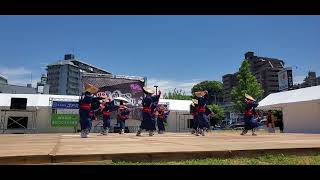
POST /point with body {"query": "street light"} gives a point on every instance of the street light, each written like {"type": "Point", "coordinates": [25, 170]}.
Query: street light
{"type": "Point", "coordinates": [156, 89]}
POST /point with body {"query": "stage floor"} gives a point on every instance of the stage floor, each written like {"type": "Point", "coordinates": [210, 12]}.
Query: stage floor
{"type": "Point", "coordinates": [57, 148]}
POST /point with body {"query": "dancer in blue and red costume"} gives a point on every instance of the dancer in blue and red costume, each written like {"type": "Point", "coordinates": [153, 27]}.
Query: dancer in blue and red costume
{"type": "Point", "coordinates": [85, 109]}
{"type": "Point", "coordinates": [96, 106]}
{"type": "Point", "coordinates": [108, 107]}
{"type": "Point", "coordinates": [250, 115]}
{"type": "Point", "coordinates": [149, 104]}
{"type": "Point", "coordinates": [162, 115]}
{"type": "Point", "coordinates": [194, 112]}
{"type": "Point", "coordinates": [203, 112]}
{"type": "Point", "coordinates": [122, 116]}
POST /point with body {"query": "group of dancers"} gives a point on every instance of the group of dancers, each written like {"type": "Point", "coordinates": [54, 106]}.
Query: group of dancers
{"type": "Point", "coordinates": [153, 114]}
{"type": "Point", "coordinates": [201, 113]}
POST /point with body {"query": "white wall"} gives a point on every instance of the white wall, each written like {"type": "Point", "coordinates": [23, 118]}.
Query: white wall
{"type": "Point", "coordinates": [301, 117]}
{"type": "Point", "coordinates": [177, 121]}
{"type": "Point", "coordinates": [44, 122]}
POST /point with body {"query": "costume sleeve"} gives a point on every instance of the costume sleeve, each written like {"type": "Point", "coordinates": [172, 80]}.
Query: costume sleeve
{"type": "Point", "coordinates": [255, 104]}
{"type": "Point", "coordinates": [166, 114]}
{"type": "Point", "coordinates": [155, 99]}
{"type": "Point", "coordinates": [127, 112]}
{"type": "Point", "coordinates": [208, 111]}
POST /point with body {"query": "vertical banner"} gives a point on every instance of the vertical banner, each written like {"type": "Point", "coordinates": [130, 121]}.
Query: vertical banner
{"type": "Point", "coordinates": [283, 80]}
{"type": "Point", "coordinates": [290, 80]}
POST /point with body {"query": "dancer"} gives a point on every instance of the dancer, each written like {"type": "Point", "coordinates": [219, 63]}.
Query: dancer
{"type": "Point", "coordinates": [122, 116]}
{"type": "Point", "coordinates": [162, 115]}
{"type": "Point", "coordinates": [95, 108]}
{"type": "Point", "coordinates": [108, 107]}
{"type": "Point", "coordinates": [202, 112]}
{"type": "Point", "coordinates": [149, 104]}
{"type": "Point", "coordinates": [193, 110]}
{"type": "Point", "coordinates": [250, 115]}
{"type": "Point", "coordinates": [209, 114]}
{"type": "Point", "coordinates": [85, 110]}
{"type": "Point", "coordinates": [270, 122]}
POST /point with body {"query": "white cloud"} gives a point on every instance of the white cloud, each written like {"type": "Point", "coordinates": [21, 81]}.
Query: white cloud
{"type": "Point", "coordinates": [12, 72]}
{"type": "Point", "coordinates": [166, 85]}
{"type": "Point", "coordinates": [19, 76]}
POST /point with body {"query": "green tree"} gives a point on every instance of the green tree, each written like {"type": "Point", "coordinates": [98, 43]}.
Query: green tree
{"type": "Point", "coordinates": [219, 114]}
{"type": "Point", "coordinates": [177, 94]}
{"type": "Point", "coordinates": [247, 84]}
{"type": "Point", "coordinates": [277, 113]}
{"type": "Point", "coordinates": [214, 89]}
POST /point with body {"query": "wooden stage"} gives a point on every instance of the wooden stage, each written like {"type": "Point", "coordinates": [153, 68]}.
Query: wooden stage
{"type": "Point", "coordinates": [62, 148]}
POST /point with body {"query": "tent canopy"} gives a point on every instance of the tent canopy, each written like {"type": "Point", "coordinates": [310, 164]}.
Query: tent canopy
{"type": "Point", "coordinates": [34, 100]}
{"type": "Point", "coordinates": [37, 100]}
{"type": "Point", "coordinates": [177, 105]}
{"type": "Point", "coordinates": [281, 99]}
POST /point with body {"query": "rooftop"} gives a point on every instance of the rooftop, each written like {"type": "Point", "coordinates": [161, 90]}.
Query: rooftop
{"type": "Point", "coordinates": [71, 62]}
{"type": "Point", "coordinates": [38, 100]}
{"type": "Point", "coordinates": [3, 77]}
{"type": "Point", "coordinates": [279, 100]}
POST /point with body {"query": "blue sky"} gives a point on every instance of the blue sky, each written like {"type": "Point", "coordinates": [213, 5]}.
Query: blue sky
{"type": "Point", "coordinates": [172, 51]}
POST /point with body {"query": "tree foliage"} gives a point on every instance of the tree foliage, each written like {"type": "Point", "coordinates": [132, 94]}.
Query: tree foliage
{"type": "Point", "coordinates": [214, 89]}
{"type": "Point", "coordinates": [219, 114]}
{"type": "Point", "coordinates": [247, 84]}
{"type": "Point", "coordinates": [177, 94]}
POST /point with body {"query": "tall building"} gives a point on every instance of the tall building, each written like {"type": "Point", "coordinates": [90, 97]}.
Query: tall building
{"type": "Point", "coordinates": [265, 70]}
{"type": "Point", "coordinates": [64, 76]}
{"type": "Point", "coordinates": [310, 80]}
{"type": "Point", "coordinates": [229, 81]}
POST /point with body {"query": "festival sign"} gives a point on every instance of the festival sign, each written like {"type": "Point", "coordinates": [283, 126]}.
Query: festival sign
{"type": "Point", "coordinates": [64, 120]}
{"type": "Point", "coordinates": [64, 114]}
{"type": "Point", "coordinates": [119, 86]}
{"type": "Point", "coordinates": [285, 79]}
{"type": "Point", "coordinates": [65, 105]}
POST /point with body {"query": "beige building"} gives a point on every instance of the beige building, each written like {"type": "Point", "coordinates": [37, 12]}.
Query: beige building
{"type": "Point", "coordinates": [265, 69]}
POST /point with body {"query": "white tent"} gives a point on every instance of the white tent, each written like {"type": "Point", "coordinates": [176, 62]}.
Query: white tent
{"type": "Point", "coordinates": [177, 105]}
{"type": "Point", "coordinates": [179, 117]}
{"type": "Point", "coordinates": [33, 100]}
{"type": "Point", "coordinates": [301, 109]}
{"type": "Point", "coordinates": [38, 110]}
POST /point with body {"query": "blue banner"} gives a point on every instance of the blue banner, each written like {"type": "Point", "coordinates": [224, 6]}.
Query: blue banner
{"type": "Point", "coordinates": [65, 105]}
